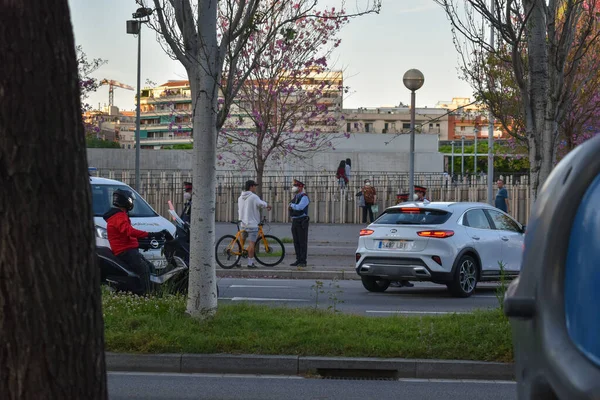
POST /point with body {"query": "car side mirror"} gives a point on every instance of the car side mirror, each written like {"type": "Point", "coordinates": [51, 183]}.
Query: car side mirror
{"type": "Point", "coordinates": [523, 228]}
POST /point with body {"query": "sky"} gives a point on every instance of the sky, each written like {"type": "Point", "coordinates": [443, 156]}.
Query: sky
{"type": "Point", "coordinates": [375, 52]}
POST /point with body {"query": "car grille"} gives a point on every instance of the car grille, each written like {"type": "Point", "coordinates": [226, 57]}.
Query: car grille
{"type": "Point", "coordinates": [144, 243]}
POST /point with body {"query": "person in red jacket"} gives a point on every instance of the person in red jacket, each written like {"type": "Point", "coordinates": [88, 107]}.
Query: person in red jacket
{"type": "Point", "coordinates": [123, 237]}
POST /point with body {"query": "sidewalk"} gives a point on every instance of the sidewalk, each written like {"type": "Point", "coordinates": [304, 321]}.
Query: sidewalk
{"type": "Point", "coordinates": [363, 367]}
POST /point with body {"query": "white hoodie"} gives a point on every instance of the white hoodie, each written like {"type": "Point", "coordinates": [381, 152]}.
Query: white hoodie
{"type": "Point", "coordinates": [249, 205]}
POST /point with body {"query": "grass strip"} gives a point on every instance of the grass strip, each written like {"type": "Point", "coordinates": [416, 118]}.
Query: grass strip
{"type": "Point", "coordinates": [159, 325]}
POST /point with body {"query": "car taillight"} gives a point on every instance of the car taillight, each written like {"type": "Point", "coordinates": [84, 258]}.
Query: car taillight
{"type": "Point", "coordinates": [358, 256]}
{"type": "Point", "coordinates": [366, 232]}
{"type": "Point", "coordinates": [441, 234]}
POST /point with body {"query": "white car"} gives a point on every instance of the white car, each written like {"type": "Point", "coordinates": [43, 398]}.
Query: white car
{"type": "Point", "coordinates": [456, 244]}
{"type": "Point", "coordinates": [143, 217]}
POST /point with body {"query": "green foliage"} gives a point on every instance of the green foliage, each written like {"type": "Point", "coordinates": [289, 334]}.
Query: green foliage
{"type": "Point", "coordinates": [181, 146]}
{"type": "Point", "coordinates": [93, 142]}
{"type": "Point", "coordinates": [502, 164]}
{"type": "Point", "coordinates": [160, 325]}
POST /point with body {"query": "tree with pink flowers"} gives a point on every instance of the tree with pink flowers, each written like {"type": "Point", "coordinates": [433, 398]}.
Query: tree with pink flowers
{"type": "Point", "coordinates": [213, 40]}
{"type": "Point", "coordinates": [290, 103]}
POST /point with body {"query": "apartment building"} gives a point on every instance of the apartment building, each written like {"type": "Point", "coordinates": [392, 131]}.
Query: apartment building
{"type": "Point", "coordinates": [394, 120]}
{"type": "Point", "coordinates": [112, 124]}
{"type": "Point", "coordinates": [468, 119]}
{"type": "Point", "coordinates": [166, 110]}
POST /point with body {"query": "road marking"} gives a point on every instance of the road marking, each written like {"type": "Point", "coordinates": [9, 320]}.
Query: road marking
{"type": "Point", "coordinates": [261, 287]}
{"type": "Point", "coordinates": [485, 382]}
{"type": "Point", "coordinates": [262, 299]}
{"type": "Point", "coordinates": [416, 312]}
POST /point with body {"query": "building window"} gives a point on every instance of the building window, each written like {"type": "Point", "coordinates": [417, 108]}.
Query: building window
{"type": "Point", "coordinates": [368, 127]}
{"type": "Point", "coordinates": [386, 126]}
{"type": "Point", "coordinates": [406, 126]}
{"type": "Point", "coordinates": [462, 128]}
{"type": "Point", "coordinates": [348, 127]}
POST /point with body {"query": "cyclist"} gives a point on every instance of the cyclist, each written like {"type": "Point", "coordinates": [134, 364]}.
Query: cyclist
{"type": "Point", "coordinates": [249, 205]}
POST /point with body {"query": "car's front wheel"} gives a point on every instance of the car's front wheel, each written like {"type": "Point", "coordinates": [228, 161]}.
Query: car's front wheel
{"type": "Point", "coordinates": [373, 284]}
{"type": "Point", "coordinates": [465, 277]}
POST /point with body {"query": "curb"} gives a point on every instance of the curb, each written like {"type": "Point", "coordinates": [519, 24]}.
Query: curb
{"type": "Point", "coordinates": [297, 365]}
{"type": "Point", "coordinates": [286, 274]}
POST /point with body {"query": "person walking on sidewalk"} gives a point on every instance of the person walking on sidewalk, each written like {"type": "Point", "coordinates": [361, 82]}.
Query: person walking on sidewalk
{"type": "Point", "coordinates": [299, 213]}
{"type": "Point", "coordinates": [370, 195]}
{"type": "Point", "coordinates": [249, 205]}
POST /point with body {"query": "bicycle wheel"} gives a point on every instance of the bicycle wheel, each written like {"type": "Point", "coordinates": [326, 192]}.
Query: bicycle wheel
{"type": "Point", "coordinates": [271, 256]}
{"type": "Point", "coordinates": [228, 251]}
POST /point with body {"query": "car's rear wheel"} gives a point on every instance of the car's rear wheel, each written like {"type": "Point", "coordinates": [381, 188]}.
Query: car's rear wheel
{"type": "Point", "coordinates": [465, 277]}
{"type": "Point", "coordinates": [374, 284]}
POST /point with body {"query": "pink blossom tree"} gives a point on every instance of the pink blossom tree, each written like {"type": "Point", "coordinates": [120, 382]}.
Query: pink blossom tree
{"type": "Point", "coordinates": [290, 103]}
{"type": "Point", "coordinates": [211, 49]}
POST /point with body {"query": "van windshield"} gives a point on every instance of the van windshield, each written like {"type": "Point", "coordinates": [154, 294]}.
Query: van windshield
{"type": "Point", "coordinates": [102, 201]}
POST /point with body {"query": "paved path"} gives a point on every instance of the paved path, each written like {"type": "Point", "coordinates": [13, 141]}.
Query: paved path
{"type": "Point", "coordinates": [350, 296]}
{"type": "Point", "coordinates": [153, 386]}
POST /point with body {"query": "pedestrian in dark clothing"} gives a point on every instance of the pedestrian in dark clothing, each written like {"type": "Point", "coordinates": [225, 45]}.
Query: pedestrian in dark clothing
{"type": "Point", "coordinates": [187, 202]}
{"type": "Point", "coordinates": [299, 213]}
{"type": "Point", "coordinates": [370, 195]}
{"type": "Point", "coordinates": [341, 174]}
{"type": "Point", "coordinates": [501, 197]}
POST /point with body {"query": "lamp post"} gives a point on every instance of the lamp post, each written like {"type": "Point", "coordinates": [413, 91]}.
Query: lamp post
{"type": "Point", "coordinates": [476, 131]}
{"type": "Point", "coordinates": [134, 27]}
{"type": "Point", "coordinates": [452, 170]}
{"type": "Point", "coordinates": [462, 158]}
{"type": "Point", "coordinates": [413, 79]}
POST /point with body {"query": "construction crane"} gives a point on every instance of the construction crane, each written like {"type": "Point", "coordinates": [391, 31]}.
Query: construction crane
{"type": "Point", "coordinates": [111, 89]}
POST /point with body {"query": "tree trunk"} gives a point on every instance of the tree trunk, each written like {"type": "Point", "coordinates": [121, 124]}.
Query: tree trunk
{"type": "Point", "coordinates": [260, 170]}
{"type": "Point", "coordinates": [537, 95]}
{"type": "Point", "coordinates": [51, 328]}
{"type": "Point", "coordinates": [204, 77]}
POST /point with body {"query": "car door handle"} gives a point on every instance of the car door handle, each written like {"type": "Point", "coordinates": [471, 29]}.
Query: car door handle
{"type": "Point", "coordinates": [504, 238]}
{"type": "Point", "coordinates": [475, 237]}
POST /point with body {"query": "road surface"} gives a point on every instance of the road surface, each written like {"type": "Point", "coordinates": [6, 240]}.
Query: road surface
{"type": "Point", "coordinates": [152, 386]}
{"type": "Point", "coordinates": [423, 299]}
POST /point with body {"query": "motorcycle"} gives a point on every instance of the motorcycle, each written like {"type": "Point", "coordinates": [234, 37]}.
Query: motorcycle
{"type": "Point", "coordinates": [170, 278]}
{"type": "Point", "coordinates": [178, 249]}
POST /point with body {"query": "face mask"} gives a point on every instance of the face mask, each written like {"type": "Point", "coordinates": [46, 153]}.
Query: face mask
{"type": "Point", "coordinates": [187, 196]}
{"type": "Point", "coordinates": [294, 189]}
{"type": "Point", "coordinates": [368, 184]}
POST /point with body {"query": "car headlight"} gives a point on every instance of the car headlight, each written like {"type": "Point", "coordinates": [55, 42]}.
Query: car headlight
{"type": "Point", "coordinates": [101, 233]}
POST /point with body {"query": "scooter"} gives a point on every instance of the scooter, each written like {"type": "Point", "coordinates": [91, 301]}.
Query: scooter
{"type": "Point", "coordinates": [172, 279]}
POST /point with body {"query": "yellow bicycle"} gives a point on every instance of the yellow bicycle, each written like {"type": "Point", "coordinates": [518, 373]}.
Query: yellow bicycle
{"type": "Point", "coordinates": [268, 249]}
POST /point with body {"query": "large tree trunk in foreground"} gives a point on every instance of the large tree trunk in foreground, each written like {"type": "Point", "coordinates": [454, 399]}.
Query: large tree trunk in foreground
{"type": "Point", "coordinates": [51, 328]}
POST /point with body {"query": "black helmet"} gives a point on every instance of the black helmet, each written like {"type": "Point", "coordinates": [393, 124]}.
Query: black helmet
{"type": "Point", "coordinates": [123, 198]}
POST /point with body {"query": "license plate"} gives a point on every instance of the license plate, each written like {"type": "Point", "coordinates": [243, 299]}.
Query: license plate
{"type": "Point", "coordinates": [158, 264]}
{"type": "Point", "coordinates": [395, 244]}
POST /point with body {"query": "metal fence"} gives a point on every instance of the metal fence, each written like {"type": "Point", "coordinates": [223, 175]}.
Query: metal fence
{"type": "Point", "coordinates": [330, 203]}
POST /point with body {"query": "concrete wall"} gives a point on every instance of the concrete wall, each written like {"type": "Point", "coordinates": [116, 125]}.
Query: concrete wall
{"type": "Point", "coordinates": [368, 152]}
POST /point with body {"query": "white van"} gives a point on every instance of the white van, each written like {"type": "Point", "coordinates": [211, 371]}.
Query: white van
{"type": "Point", "coordinates": [143, 217]}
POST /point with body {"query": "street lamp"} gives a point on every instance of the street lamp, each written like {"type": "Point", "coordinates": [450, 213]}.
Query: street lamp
{"type": "Point", "coordinates": [134, 27]}
{"type": "Point", "coordinates": [413, 80]}
{"type": "Point", "coordinates": [462, 158]}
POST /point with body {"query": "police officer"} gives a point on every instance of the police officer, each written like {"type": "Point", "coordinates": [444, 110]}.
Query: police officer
{"type": "Point", "coordinates": [299, 213]}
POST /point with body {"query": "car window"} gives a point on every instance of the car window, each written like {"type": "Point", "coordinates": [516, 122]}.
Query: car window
{"type": "Point", "coordinates": [503, 222]}
{"type": "Point", "coordinates": [421, 216]}
{"type": "Point", "coordinates": [476, 219]}
{"type": "Point", "coordinates": [102, 201]}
